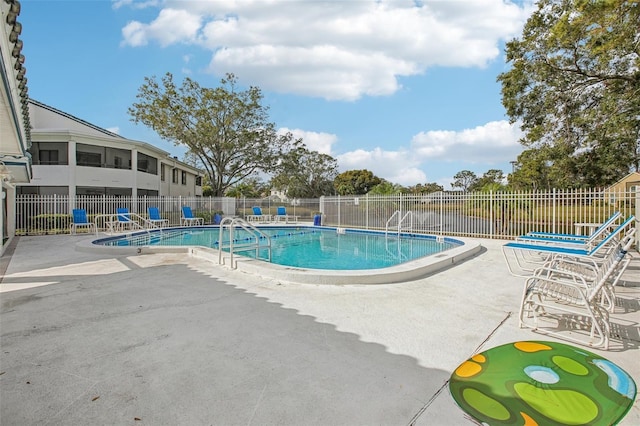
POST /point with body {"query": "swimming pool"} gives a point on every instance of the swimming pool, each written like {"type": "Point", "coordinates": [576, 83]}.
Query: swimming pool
{"type": "Point", "coordinates": [305, 247]}
{"type": "Point", "coordinates": [410, 248]}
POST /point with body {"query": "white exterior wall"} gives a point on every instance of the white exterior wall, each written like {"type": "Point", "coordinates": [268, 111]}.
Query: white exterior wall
{"type": "Point", "coordinates": [44, 119]}
{"type": "Point", "coordinates": [175, 189]}
{"type": "Point", "coordinates": [50, 176]}
{"type": "Point", "coordinates": [51, 125]}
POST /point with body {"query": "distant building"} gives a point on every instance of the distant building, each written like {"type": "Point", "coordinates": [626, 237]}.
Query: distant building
{"type": "Point", "coordinates": [279, 194]}
{"type": "Point", "coordinates": [630, 182]}
{"type": "Point", "coordinates": [15, 164]}
{"type": "Point", "coordinates": [73, 157]}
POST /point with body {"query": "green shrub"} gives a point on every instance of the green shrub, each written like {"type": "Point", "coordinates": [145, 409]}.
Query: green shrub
{"type": "Point", "coordinates": [50, 222]}
{"type": "Point", "coordinates": [204, 215]}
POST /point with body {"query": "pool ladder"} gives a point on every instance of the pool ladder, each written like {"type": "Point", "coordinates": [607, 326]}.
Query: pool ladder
{"type": "Point", "coordinates": [257, 240]}
{"type": "Point", "coordinates": [396, 215]}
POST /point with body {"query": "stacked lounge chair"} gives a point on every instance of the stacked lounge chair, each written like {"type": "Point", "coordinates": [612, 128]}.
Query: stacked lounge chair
{"type": "Point", "coordinates": [570, 290]}
{"type": "Point", "coordinates": [573, 301]}
{"type": "Point", "coordinates": [523, 257]}
{"type": "Point", "coordinates": [572, 240]}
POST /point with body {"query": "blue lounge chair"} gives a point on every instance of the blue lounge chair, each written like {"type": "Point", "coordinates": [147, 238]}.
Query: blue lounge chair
{"type": "Point", "coordinates": [571, 239]}
{"type": "Point", "coordinates": [80, 220]}
{"type": "Point", "coordinates": [523, 258]}
{"type": "Point", "coordinates": [281, 214]}
{"type": "Point", "coordinates": [188, 218]}
{"type": "Point", "coordinates": [155, 218]}
{"type": "Point", "coordinates": [604, 226]}
{"type": "Point", "coordinates": [257, 216]}
{"type": "Point", "coordinates": [124, 219]}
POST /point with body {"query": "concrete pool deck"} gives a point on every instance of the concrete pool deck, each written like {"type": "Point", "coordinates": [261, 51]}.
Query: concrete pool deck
{"type": "Point", "coordinates": [172, 339]}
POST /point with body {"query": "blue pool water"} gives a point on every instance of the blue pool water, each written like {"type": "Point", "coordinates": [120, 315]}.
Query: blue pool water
{"type": "Point", "coordinates": [305, 247]}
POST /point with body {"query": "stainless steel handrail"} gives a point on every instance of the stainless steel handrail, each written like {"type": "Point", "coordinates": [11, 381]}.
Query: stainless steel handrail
{"type": "Point", "coordinates": [231, 224]}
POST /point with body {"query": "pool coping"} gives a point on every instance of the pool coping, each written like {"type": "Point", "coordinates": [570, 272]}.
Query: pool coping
{"type": "Point", "coordinates": [403, 272]}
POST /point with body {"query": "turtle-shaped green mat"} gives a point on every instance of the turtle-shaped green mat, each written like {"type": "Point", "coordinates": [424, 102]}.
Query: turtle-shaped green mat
{"type": "Point", "coordinates": [542, 383]}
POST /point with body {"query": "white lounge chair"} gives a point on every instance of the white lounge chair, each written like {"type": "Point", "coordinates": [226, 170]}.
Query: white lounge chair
{"type": "Point", "coordinates": [567, 304]}
{"type": "Point", "coordinates": [570, 240]}
{"type": "Point", "coordinates": [607, 223]}
{"type": "Point", "coordinates": [523, 258]}
{"type": "Point", "coordinates": [590, 268]}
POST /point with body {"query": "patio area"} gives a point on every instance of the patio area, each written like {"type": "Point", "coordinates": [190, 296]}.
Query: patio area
{"type": "Point", "coordinates": [168, 339]}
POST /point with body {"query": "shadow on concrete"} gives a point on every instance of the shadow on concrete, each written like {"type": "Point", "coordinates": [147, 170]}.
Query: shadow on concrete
{"type": "Point", "coordinates": [168, 345]}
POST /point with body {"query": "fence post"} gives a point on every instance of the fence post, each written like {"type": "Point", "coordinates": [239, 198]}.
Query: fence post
{"type": "Point", "coordinates": [492, 220]}
{"type": "Point", "coordinates": [400, 210]}
{"type": "Point", "coordinates": [441, 211]}
{"type": "Point", "coordinates": [366, 209]}
{"type": "Point", "coordinates": [553, 211]}
{"type": "Point", "coordinates": [637, 215]}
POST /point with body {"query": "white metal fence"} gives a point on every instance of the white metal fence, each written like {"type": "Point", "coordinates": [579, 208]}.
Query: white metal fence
{"type": "Point", "coordinates": [51, 214]}
{"type": "Point", "coordinates": [487, 215]}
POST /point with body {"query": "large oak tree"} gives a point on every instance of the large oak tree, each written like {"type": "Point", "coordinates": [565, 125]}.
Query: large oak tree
{"type": "Point", "coordinates": [226, 129]}
{"type": "Point", "coordinates": [574, 85]}
{"type": "Point", "coordinates": [303, 173]}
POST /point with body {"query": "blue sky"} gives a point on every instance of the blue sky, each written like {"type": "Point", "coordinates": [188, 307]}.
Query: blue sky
{"type": "Point", "coordinates": [406, 89]}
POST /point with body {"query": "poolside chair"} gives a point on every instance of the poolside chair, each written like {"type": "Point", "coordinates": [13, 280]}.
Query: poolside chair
{"type": "Point", "coordinates": [188, 218]}
{"type": "Point", "coordinates": [571, 239]}
{"type": "Point", "coordinates": [80, 220]}
{"type": "Point", "coordinates": [257, 216]}
{"type": "Point", "coordinates": [281, 214]}
{"type": "Point", "coordinates": [523, 258]}
{"type": "Point", "coordinates": [124, 221]}
{"type": "Point", "coordinates": [568, 304]}
{"type": "Point", "coordinates": [598, 230]}
{"type": "Point", "coordinates": [155, 218]}
{"type": "Point", "coordinates": [589, 269]}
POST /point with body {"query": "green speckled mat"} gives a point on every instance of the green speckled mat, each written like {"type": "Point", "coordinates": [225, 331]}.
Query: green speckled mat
{"type": "Point", "coordinates": [542, 383]}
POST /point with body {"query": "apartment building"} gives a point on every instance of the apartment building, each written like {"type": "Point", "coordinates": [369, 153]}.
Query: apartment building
{"type": "Point", "coordinates": [73, 157]}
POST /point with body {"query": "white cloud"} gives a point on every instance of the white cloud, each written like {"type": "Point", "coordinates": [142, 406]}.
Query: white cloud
{"type": "Point", "coordinates": [186, 70]}
{"type": "Point", "coordinates": [334, 49]}
{"type": "Point", "coordinates": [114, 129]}
{"type": "Point", "coordinates": [321, 71]}
{"type": "Point", "coordinates": [170, 27]}
{"type": "Point", "coordinates": [394, 166]}
{"type": "Point", "coordinates": [494, 142]}
{"type": "Point", "coordinates": [117, 4]}
{"type": "Point", "coordinates": [315, 141]}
